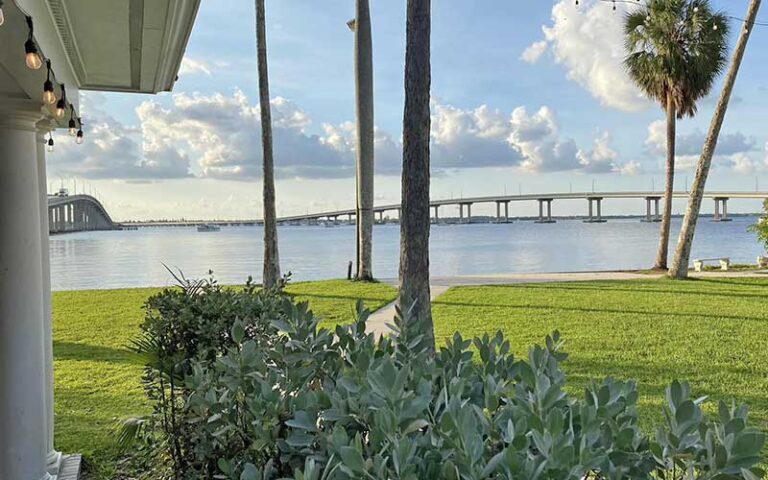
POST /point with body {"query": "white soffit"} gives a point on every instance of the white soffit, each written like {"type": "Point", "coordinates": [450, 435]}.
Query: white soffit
{"type": "Point", "coordinates": [124, 45]}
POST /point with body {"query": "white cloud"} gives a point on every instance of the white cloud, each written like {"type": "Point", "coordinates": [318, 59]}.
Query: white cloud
{"type": "Point", "coordinates": [223, 135]}
{"type": "Point", "coordinates": [533, 53]}
{"type": "Point", "coordinates": [692, 143]}
{"type": "Point", "coordinates": [471, 138]}
{"type": "Point", "coordinates": [588, 41]}
{"type": "Point", "coordinates": [602, 158]}
{"type": "Point", "coordinates": [734, 150]}
{"type": "Point", "coordinates": [219, 136]}
{"type": "Point", "coordinates": [113, 150]}
{"type": "Point", "coordinates": [630, 168]}
{"type": "Point", "coordinates": [190, 66]}
{"type": "Point", "coordinates": [538, 138]}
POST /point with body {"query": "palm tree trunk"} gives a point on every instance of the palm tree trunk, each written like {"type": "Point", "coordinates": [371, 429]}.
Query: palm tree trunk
{"type": "Point", "coordinates": [679, 269]}
{"type": "Point", "coordinates": [365, 147]}
{"type": "Point", "coordinates": [271, 275]}
{"type": "Point", "coordinates": [415, 222]}
{"type": "Point", "coordinates": [666, 219]}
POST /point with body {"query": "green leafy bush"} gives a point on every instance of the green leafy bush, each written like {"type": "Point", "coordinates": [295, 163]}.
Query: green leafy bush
{"type": "Point", "coordinates": [183, 327]}
{"type": "Point", "coordinates": [298, 402]}
{"type": "Point", "coordinates": [317, 406]}
{"type": "Point", "coordinates": [761, 227]}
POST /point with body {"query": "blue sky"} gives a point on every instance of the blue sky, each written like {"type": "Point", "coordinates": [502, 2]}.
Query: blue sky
{"type": "Point", "coordinates": [527, 96]}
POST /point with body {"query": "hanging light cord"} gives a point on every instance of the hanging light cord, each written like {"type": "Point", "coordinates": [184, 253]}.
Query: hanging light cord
{"type": "Point", "coordinates": [759, 23]}
{"type": "Point", "coordinates": [51, 73]}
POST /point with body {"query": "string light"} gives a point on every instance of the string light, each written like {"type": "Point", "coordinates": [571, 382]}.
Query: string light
{"type": "Point", "coordinates": [2, 15]}
{"type": "Point", "coordinates": [72, 124]}
{"type": "Point", "coordinates": [61, 105]}
{"type": "Point", "coordinates": [49, 97]}
{"type": "Point", "coordinates": [33, 59]}
{"type": "Point", "coordinates": [79, 138]}
{"type": "Point", "coordinates": [695, 10]}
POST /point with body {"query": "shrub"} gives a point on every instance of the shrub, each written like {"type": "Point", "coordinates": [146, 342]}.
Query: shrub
{"type": "Point", "coordinates": [184, 327]}
{"type": "Point", "coordinates": [761, 226]}
{"type": "Point", "coordinates": [299, 402]}
{"type": "Point", "coordinates": [313, 406]}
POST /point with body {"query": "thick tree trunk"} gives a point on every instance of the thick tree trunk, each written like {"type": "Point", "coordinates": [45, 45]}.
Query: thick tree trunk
{"type": "Point", "coordinates": [415, 222]}
{"type": "Point", "coordinates": [271, 260]}
{"type": "Point", "coordinates": [666, 219]}
{"type": "Point", "coordinates": [365, 147]}
{"type": "Point", "coordinates": [682, 256]}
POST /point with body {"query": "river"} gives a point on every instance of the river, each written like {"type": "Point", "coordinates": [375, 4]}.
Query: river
{"type": "Point", "coordinates": [117, 259]}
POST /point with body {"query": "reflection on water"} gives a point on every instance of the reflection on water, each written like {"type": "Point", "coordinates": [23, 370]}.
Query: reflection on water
{"type": "Point", "coordinates": [135, 258]}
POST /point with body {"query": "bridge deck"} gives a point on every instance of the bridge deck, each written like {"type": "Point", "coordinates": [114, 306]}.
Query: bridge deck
{"type": "Point", "coordinates": [533, 197]}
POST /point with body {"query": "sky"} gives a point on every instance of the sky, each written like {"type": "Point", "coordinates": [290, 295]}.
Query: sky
{"type": "Point", "coordinates": [528, 96]}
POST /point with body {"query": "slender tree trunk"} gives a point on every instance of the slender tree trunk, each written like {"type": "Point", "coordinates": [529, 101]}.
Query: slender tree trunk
{"type": "Point", "coordinates": [271, 259]}
{"type": "Point", "coordinates": [666, 219]}
{"type": "Point", "coordinates": [415, 222]}
{"type": "Point", "coordinates": [365, 147]}
{"type": "Point", "coordinates": [679, 269]}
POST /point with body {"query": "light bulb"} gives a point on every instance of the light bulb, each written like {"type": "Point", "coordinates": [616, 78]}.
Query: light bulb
{"type": "Point", "coordinates": [79, 139]}
{"type": "Point", "coordinates": [50, 144]}
{"type": "Point", "coordinates": [714, 27]}
{"type": "Point", "coordinates": [49, 98]}
{"type": "Point", "coordinates": [32, 55]}
{"type": "Point", "coordinates": [2, 15]}
{"type": "Point", "coordinates": [72, 127]}
{"type": "Point", "coordinates": [60, 108]}
{"type": "Point", "coordinates": [695, 9]}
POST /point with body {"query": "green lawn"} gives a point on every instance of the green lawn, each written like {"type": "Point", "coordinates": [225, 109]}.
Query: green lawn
{"type": "Point", "coordinates": [97, 380]}
{"type": "Point", "coordinates": [711, 332]}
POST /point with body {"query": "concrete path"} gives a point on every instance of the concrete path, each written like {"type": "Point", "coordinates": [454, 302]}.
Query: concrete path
{"type": "Point", "coordinates": [378, 321]}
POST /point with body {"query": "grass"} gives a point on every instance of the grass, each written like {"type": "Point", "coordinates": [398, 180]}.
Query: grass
{"type": "Point", "coordinates": [97, 379]}
{"type": "Point", "coordinates": [707, 331]}
{"type": "Point", "coordinates": [710, 332]}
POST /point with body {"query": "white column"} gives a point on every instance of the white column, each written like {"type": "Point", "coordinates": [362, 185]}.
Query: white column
{"type": "Point", "coordinates": [23, 432]}
{"type": "Point", "coordinates": [53, 458]}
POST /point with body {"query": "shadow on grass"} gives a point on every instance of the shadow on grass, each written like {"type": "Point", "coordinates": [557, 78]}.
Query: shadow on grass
{"type": "Point", "coordinates": [608, 287]}
{"type": "Point", "coordinates": [353, 298]}
{"type": "Point", "coordinates": [623, 311]}
{"type": "Point", "coordinates": [84, 351]}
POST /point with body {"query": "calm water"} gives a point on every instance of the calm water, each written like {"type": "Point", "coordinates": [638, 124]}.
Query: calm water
{"type": "Point", "coordinates": [134, 258]}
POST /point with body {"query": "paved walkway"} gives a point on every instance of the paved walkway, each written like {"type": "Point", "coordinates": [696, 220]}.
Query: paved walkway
{"type": "Point", "coordinates": [379, 320]}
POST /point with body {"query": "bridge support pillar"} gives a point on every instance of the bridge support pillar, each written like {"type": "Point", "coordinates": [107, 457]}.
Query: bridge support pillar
{"type": "Point", "coordinates": [721, 216]}
{"type": "Point", "coordinates": [598, 201]}
{"type": "Point", "coordinates": [381, 216]}
{"type": "Point", "coordinates": [23, 356]}
{"type": "Point", "coordinates": [437, 213]}
{"type": "Point", "coordinates": [542, 217]}
{"type": "Point", "coordinates": [469, 212]}
{"type": "Point", "coordinates": [656, 216]}
{"type": "Point", "coordinates": [499, 218]}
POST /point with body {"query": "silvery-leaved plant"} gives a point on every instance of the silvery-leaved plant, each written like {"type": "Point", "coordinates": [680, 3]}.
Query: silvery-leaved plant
{"type": "Point", "coordinates": [303, 403]}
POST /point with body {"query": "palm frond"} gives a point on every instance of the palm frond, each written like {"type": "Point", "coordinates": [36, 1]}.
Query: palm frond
{"type": "Point", "coordinates": [676, 49]}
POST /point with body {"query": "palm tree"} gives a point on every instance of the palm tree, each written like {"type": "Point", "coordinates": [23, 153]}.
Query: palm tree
{"type": "Point", "coordinates": [675, 51]}
{"type": "Point", "coordinates": [361, 25]}
{"type": "Point", "coordinates": [682, 256]}
{"type": "Point", "coordinates": [271, 276]}
{"type": "Point", "coordinates": [414, 224]}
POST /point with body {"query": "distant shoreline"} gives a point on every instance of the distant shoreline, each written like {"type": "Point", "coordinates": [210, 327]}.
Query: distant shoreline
{"type": "Point", "coordinates": [476, 219]}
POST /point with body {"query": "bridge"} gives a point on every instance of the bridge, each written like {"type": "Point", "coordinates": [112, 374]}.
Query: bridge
{"type": "Point", "coordinates": [593, 199]}
{"type": "Point", "coordinates": [77, 213]}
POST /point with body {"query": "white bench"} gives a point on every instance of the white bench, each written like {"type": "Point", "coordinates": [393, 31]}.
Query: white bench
{"type": "Point", "coordinates": [725, 263]}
